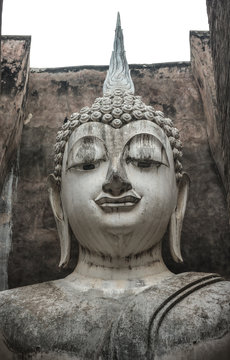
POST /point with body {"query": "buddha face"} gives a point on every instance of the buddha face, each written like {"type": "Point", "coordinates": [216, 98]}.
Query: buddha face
{"type": "Point", "coordinates": [118, 187]}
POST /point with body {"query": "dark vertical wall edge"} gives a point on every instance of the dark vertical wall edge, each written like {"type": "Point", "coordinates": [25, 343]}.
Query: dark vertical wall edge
{"type": "Point", "coordinates": [1, 2]}
{"type": "Point", "coordinates": [218, 16]}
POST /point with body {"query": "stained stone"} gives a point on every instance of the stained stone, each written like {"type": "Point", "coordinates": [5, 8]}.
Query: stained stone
{"type": "Point", "coordinates": [118, 187]}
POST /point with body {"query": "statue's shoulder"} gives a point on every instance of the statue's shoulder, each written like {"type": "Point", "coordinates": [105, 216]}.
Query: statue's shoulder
{"type": "Point", "coordinates": [21, 313]}
{"type": "Point", "coordinates": [204, 296]}
{"type": "Point", "coordinates": [204, 302]}
{"type": "Point", "coordinates": [197, 320]}
{"type": "Point", "coordinates": [177, 319]}
{"type": "Point", "coordinates": [33, 317]}
{"type": "Point", "coordinates": [200, 290]}
{"type": "Point", "coordinates": [19, 304]}
{"type": "Point", "coordinates": [54, 318]}
{"type": "Point", "coordinates": [38, 302]}
{"type": "Point", "coordinates": [23, 296]}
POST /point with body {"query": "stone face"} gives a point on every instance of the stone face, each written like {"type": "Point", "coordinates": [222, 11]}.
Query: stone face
{"type": "Point", "coordinates": [218, 14]}
{"type": "Point", "coordinates": [114, 193]}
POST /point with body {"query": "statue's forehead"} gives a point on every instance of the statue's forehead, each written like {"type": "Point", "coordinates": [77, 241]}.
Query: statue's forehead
{"type": "Point", "coordinates": [117, 137]}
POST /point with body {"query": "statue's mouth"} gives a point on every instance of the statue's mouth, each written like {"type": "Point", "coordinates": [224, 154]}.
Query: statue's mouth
{"type": "Point", "coordinates": [116, 203]}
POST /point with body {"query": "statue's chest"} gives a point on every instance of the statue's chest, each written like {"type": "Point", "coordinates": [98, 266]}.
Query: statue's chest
{"type": "Point", "coordinates": [50, 323]}
{"type": "Point", "coordinates": [76, 329]}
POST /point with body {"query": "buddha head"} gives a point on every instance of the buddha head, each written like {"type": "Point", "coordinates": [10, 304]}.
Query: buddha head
{"type": "Point", "coordinates": [118, 180]}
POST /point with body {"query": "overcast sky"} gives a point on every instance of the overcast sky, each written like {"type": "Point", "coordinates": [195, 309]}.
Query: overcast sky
{"type": "Point", "coordinates": [80, 32]}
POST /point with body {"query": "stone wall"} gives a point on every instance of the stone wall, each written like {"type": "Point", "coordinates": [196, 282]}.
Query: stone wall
{"type": "Point", "coordinates": [202, 69]}
{"type": "Point", "coordinates": [1, 2]}
{"type": "Point", "coordinates": [219, 15]}
{"type": "Point", "coordinates": [54, 94]}
{"type": "Point", "coordinates": [14, 87]}
{"type": "Point", "coordinates": [13, 97]}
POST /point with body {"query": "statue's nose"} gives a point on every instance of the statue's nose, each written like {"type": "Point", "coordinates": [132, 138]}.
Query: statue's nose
{"type": "Point", "coordinates": [116, 182]}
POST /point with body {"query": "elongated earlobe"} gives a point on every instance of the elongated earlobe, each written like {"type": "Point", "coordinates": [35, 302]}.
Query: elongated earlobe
{"type": "Point", "coordinates": [61, 221]}
{"type": "Point", "coordinates": [177, 217]}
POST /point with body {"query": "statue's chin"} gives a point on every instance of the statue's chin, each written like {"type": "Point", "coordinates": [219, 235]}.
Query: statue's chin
{"type": "Point", "coordinates": [118, 241]}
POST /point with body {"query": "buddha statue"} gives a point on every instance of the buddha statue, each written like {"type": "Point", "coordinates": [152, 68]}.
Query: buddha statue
{"type": "Point", "coordinates": [118, 185]}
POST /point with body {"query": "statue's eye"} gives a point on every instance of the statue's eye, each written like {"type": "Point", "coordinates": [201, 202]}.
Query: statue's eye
{"type": "Point", "coordinates": [87, 154]}
{"type": "Point", "coordinates": [86, 166]}
{"type": "Point", "coordinates": [143, 163]}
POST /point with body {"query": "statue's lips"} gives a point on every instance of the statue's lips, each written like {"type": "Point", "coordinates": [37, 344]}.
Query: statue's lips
{"type": "Point", "coordinates": [123, 202]}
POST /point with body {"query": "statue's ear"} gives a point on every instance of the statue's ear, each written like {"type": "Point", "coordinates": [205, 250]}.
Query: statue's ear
{"type": "Point", "coordinates": [177, 217]}
{"type": "Point", "coordinates": [61, 220]}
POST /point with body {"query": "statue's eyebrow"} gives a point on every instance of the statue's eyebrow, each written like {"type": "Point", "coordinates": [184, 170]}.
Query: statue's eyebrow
{"type": "Point", "coordinates": [86, 130]}
{"type": "Point", "coordinates": [157, 141]}
{"type": "Point", "coordinates": [78, 141]}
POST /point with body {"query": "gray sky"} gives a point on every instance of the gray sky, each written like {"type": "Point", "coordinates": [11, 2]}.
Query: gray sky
{"type": "Point", "coordinates": [73, 32]}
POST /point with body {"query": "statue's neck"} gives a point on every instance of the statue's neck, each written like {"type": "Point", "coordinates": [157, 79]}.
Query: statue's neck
{"type": "Point", "coordinates": [146, 268]}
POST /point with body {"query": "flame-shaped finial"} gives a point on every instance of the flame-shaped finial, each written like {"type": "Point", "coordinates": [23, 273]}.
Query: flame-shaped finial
{"type": "Point", "coordinates": [118, 75]}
